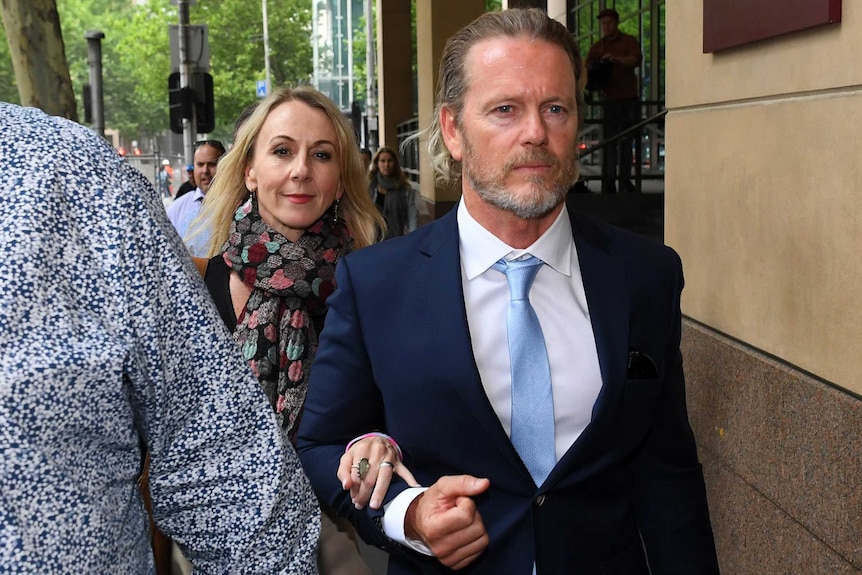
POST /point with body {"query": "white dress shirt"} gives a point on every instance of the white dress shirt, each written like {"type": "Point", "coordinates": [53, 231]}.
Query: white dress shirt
{"type": "Point", "coordinates": [558, 297]}
{"type": "Point", "coordinates": [182, 213]}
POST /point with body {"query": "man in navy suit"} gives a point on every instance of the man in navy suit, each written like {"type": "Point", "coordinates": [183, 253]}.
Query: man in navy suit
{"type": "Point", "coordinates": [417, 344]}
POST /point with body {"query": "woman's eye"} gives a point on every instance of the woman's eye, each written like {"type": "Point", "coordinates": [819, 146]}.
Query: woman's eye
{"type": "Point", "coordinates": [323, 155]}
{"type": "Point", "coordinates": [281, 151]}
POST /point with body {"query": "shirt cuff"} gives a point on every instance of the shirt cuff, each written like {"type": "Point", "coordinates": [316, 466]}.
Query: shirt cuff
{"type": "Point", "coordinates": [393, 519]}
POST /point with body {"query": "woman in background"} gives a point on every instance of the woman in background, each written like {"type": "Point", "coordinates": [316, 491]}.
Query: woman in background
{"type": "Point", "coordinates": [391, 191]}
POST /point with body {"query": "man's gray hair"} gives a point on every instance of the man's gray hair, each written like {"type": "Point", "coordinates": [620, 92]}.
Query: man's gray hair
{"type": "Point", "coordinates": [452, 82]}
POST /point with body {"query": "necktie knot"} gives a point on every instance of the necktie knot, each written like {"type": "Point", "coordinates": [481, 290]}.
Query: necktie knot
{"type": "Point", "coordinates": [520, 275]}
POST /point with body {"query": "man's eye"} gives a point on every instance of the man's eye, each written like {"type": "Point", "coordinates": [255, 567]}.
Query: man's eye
{"type": "Point", "coordinates": [504, 109]}
{"type": "Point", "coordinates": [556, 109]}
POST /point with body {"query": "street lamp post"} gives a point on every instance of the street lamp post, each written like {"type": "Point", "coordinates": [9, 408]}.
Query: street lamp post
{"type": "Point", "coordinates": [97, 99]}
{"type": "Point", "coordinates": [189, 124]}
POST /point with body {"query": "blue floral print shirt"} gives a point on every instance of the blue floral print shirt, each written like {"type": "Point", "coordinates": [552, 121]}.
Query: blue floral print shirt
{"type": "Point", "coordinates": [109, 341]}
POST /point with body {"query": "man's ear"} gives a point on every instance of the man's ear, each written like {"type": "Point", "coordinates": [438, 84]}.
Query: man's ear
{"type": "Point", "coordinates": [450, 132]}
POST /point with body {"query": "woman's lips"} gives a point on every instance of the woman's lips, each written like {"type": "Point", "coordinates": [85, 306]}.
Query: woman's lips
{"type": "Point", "coordinates": [299, 198]}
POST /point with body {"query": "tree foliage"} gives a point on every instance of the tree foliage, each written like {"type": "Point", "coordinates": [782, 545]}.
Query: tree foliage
{"type": "Point", "coordinates": [136, 55]}
{"type": "Point", "coordinates": [36, 56]}
{"type": "Point", "coordinates": [8, 85]}
{"type": "Point", "coordinates": [236, 48]}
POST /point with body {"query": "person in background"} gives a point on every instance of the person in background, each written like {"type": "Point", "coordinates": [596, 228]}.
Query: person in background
{"type": "Point", "coordinates": [555, 440]}
{"type": "Point", "coordinates": [621, 109]}
{"type": "Point", "coordinates": [166, 176]}
{"type": "Point", "coordinates": [189, 185]}
{"type": "Point", "coordinates": [109, 348]}
{"type": "Point", "coordinates": [392, 193]}
{"type": "Point", "coordinates": [288, 204]}
{"type": "Point", "coordinates": [185, 210]}
{"type": "Point", "coordinates": [366, 158]}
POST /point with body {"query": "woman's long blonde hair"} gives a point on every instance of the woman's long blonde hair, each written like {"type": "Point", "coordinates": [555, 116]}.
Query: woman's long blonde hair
{"type": "Point", "coordinates": [228, 191]}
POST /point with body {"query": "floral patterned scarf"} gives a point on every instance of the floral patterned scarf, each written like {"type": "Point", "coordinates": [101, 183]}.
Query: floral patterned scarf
{"type": "Point", "coordinates": [290, 282]}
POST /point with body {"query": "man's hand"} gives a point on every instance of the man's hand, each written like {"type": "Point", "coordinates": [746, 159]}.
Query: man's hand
{"type": "Point", "coordinates": [446, 520]}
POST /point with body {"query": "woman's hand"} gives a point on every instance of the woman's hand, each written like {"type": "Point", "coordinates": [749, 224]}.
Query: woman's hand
{"type": "Point", "coordinates": [382, 462]}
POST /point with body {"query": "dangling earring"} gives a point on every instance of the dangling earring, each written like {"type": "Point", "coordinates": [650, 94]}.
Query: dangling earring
{"type": "Point", "coordinates": [335, 211]}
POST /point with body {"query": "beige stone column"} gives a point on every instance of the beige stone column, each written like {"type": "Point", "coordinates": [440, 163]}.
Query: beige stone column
{"type": "Point", "coordinates": [394, 68]}
{"type": "Point", "coordinates": [557, 10]}
{"type": "Point", "coordinates": [435, 22]}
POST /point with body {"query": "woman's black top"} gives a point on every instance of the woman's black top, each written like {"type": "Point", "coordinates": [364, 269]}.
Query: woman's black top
{"type": "Point", "coordinates": [217, 280]}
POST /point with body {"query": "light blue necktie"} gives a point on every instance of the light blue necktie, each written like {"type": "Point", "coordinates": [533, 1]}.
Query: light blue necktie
{"type": "Point", "coordinates": [532, 400]}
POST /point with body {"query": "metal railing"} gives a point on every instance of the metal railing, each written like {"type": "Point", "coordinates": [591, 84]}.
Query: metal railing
{"type": "Point", "coordinates": [648, 156]}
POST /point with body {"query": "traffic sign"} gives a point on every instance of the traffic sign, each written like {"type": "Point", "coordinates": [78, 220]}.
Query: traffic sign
{"type": "Point", "coordinates": [261, 88]}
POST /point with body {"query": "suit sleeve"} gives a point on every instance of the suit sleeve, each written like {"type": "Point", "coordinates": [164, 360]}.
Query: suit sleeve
{"type": "Point", "coordinates": [342, 402]}
{"type": "Point", "coordinates": [670, 496]}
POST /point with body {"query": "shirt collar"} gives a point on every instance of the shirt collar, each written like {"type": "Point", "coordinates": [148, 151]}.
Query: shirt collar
{"type": "Point", "coordinates": [480, 249]}
{"type": "Point", "coordinates": [199, 195]}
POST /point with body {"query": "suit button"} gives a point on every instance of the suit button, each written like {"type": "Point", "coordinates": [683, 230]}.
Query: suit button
{"type": "Point", "coordinates": [540, 500]}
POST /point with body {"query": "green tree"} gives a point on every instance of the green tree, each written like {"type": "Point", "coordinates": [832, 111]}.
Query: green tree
{"type": "Point", "coordinates": [37, 55]}
{"type": "Point", "coordinates": [8, 85]}
{"type": "Point", "coordinates": [236, 48]}
{"type": "Point", "coordinates": [136, 55]}
{"type": "Point", "coordinates": [360, 67]}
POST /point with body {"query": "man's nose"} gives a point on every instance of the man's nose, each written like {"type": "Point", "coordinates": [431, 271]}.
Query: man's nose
{"type": "Point", "coordinates": [535, 130]}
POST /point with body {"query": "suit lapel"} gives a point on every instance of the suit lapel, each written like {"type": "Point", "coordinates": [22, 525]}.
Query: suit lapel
{"type": "Point", "coordinates": [608, 303]}
{"type": "Point", "coordinates": [438, 279]}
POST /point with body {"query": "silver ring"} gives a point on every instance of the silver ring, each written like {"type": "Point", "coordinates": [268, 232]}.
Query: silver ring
{"type": "Point", "coordinates": [386, 464]}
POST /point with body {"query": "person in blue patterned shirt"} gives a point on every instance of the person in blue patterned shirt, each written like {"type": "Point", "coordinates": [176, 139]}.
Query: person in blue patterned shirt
{"type": "Point", "coordinates": [110, 345]}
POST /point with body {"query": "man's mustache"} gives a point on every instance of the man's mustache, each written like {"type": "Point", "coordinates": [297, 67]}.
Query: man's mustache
{"type": "Point", "coordinates": [531, 158]}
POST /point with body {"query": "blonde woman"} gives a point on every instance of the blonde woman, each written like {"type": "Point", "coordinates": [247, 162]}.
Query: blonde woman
{"type": "Point", "coordinates": [289, 201]}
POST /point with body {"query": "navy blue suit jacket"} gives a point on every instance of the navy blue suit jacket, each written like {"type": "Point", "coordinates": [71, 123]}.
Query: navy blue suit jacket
{"type": "Point", "coordinates": [395, 355]}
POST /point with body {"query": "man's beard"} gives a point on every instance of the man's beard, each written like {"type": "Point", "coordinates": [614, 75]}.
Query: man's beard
{"type": "Point", "coordinates": [540, 200]}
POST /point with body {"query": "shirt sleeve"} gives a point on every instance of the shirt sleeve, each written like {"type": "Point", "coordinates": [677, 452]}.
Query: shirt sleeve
{"type": "Point", "coordinates": [393, 520]}
{"type": "Point", "coordinates": [225, 482]}
{"type": "Point", "coordinates": [173, 211]}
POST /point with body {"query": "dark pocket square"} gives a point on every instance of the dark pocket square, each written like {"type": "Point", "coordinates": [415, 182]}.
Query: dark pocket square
{"type": "Point", "coordinates": [640, 366]}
